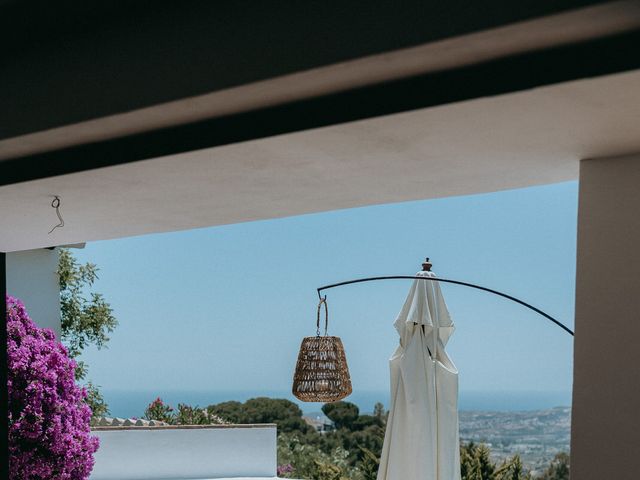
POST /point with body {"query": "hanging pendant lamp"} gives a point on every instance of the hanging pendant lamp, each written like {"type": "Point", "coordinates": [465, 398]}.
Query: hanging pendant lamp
{"type": "Point", "coordinates": [321, 374]}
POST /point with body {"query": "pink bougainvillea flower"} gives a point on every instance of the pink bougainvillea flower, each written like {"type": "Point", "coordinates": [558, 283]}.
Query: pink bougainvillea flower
{"type": "Point", "coordinates": [49, 432]}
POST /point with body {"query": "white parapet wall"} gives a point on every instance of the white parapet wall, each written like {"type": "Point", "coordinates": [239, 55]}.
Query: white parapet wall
{"type": "Point", "coordinates": [32, 277]}
{"type": "Point", "coordinates": [186, 452]}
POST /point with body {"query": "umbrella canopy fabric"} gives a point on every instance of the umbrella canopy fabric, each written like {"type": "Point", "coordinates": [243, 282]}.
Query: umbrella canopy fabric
{"type": "Point", "coordinates": [422, 438]}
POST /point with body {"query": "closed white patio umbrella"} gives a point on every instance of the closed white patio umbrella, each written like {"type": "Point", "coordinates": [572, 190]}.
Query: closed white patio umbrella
{"type": "Point", "coordinates": [422, 440]}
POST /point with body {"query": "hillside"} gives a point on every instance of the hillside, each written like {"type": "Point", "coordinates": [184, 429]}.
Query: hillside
{"type": "Point", "coordinates": [535, 435]}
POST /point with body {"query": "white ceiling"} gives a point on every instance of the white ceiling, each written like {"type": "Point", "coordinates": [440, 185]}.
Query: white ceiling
{"type": "Point", "coordinates": [510, 141]}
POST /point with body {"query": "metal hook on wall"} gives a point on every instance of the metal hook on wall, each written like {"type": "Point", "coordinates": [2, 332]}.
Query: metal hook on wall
{"type": "Point", "coordinates": [55, 203]}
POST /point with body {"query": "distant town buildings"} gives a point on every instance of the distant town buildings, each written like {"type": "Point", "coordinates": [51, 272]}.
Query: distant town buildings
{"type": "Point", "coordinates": [319, 422]}
{"type": "Point", "coordinates": [537, 436]}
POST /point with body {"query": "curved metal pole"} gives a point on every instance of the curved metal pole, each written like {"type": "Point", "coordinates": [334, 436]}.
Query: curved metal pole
{"type": "Point", "coordinates": [455, 282]}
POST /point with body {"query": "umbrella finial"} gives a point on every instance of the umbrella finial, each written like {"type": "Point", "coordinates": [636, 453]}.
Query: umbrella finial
{"type": "Point", "coordinates": [426, 265]}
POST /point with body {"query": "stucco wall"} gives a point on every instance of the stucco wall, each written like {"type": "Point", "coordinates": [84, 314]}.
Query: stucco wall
{"type": "Point", "coordinates": [606, 393]}
{"type": "Point", "coordinates": [186, 452]}
{"type": "Point", "coordinates": [32, 277]}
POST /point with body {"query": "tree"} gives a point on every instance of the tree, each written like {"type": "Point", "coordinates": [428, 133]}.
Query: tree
{"type": "Point", "coordinates": [95, 401]}
{"type": "Point", "coordinates": [306, 460]}
{"type": "Point", "coordinates": [368, 464]}
{"type": "Point", "coordinates": [559, 468]}
{"type": "Point", "coordinates": [271, 410]}
{"type": "Point", "coordinates": [231, 411]}
{"type": "Point", "coordinates": [379, 413]}
{"type": "Point", "coordinates": [365, 421]}
{"type": "Point", "coordinates": [486, 466]}
{"type": "Point", "coordinates": [86, 318]}
{"type": "Point", "coordinates": [475, 462]}
{"type": "Point", "coordinates": [188, 415]}
{"type": "Point", "coordinates": [343, 414]}
{"type": "Point", "coordinates": [286, 414]}
{"type": "Point", "coordinates": [512, 469]}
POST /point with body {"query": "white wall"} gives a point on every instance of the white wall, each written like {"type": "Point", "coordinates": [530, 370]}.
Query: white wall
{"type": "Point", "coordinates": [32, 277]}
{"type": "Point", "coordinates": [605, 439]}
{"type": "Point", "coordinates": [144, 453]}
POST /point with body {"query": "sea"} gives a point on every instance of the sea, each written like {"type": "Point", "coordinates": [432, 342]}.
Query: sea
{"type": "Point", "coordinates": [127, 403]}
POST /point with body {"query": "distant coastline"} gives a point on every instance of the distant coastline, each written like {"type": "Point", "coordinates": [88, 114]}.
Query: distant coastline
{"type": "Point", "coordinates": [123, 403]}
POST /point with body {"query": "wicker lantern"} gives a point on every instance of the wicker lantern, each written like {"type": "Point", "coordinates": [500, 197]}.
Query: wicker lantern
{"type": "Point", "coordinates": [322, 374]}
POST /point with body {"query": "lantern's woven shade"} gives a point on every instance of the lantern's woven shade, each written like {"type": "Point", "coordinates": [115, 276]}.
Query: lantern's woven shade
{"type": "Point", "coordinates": [322, 374]}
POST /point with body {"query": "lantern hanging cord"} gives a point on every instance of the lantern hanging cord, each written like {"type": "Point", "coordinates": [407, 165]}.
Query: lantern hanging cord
{"type": "Point", "coordinates": [55, 203]}
{"type": "Point", "coordinates": [323, 301]}
{"type": "Point", "coordinates": [455, 282]}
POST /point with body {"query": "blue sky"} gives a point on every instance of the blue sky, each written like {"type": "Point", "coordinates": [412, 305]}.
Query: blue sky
{"type": "Point", "coordinates": [223, 309]}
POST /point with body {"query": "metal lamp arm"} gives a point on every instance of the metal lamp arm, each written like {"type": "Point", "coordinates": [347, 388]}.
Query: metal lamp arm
{"type": "Point", "coordinates": [455, 282]}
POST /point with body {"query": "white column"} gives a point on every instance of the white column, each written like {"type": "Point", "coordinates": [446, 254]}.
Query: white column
{"type": "Point", "coordinates": [605, 433]}
{"type": "Point", "coordinates": [32, 277]}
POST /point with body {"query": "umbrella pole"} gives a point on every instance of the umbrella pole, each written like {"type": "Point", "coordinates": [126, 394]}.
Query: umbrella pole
{"type": "Point", "coordinates": [454, 282]}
